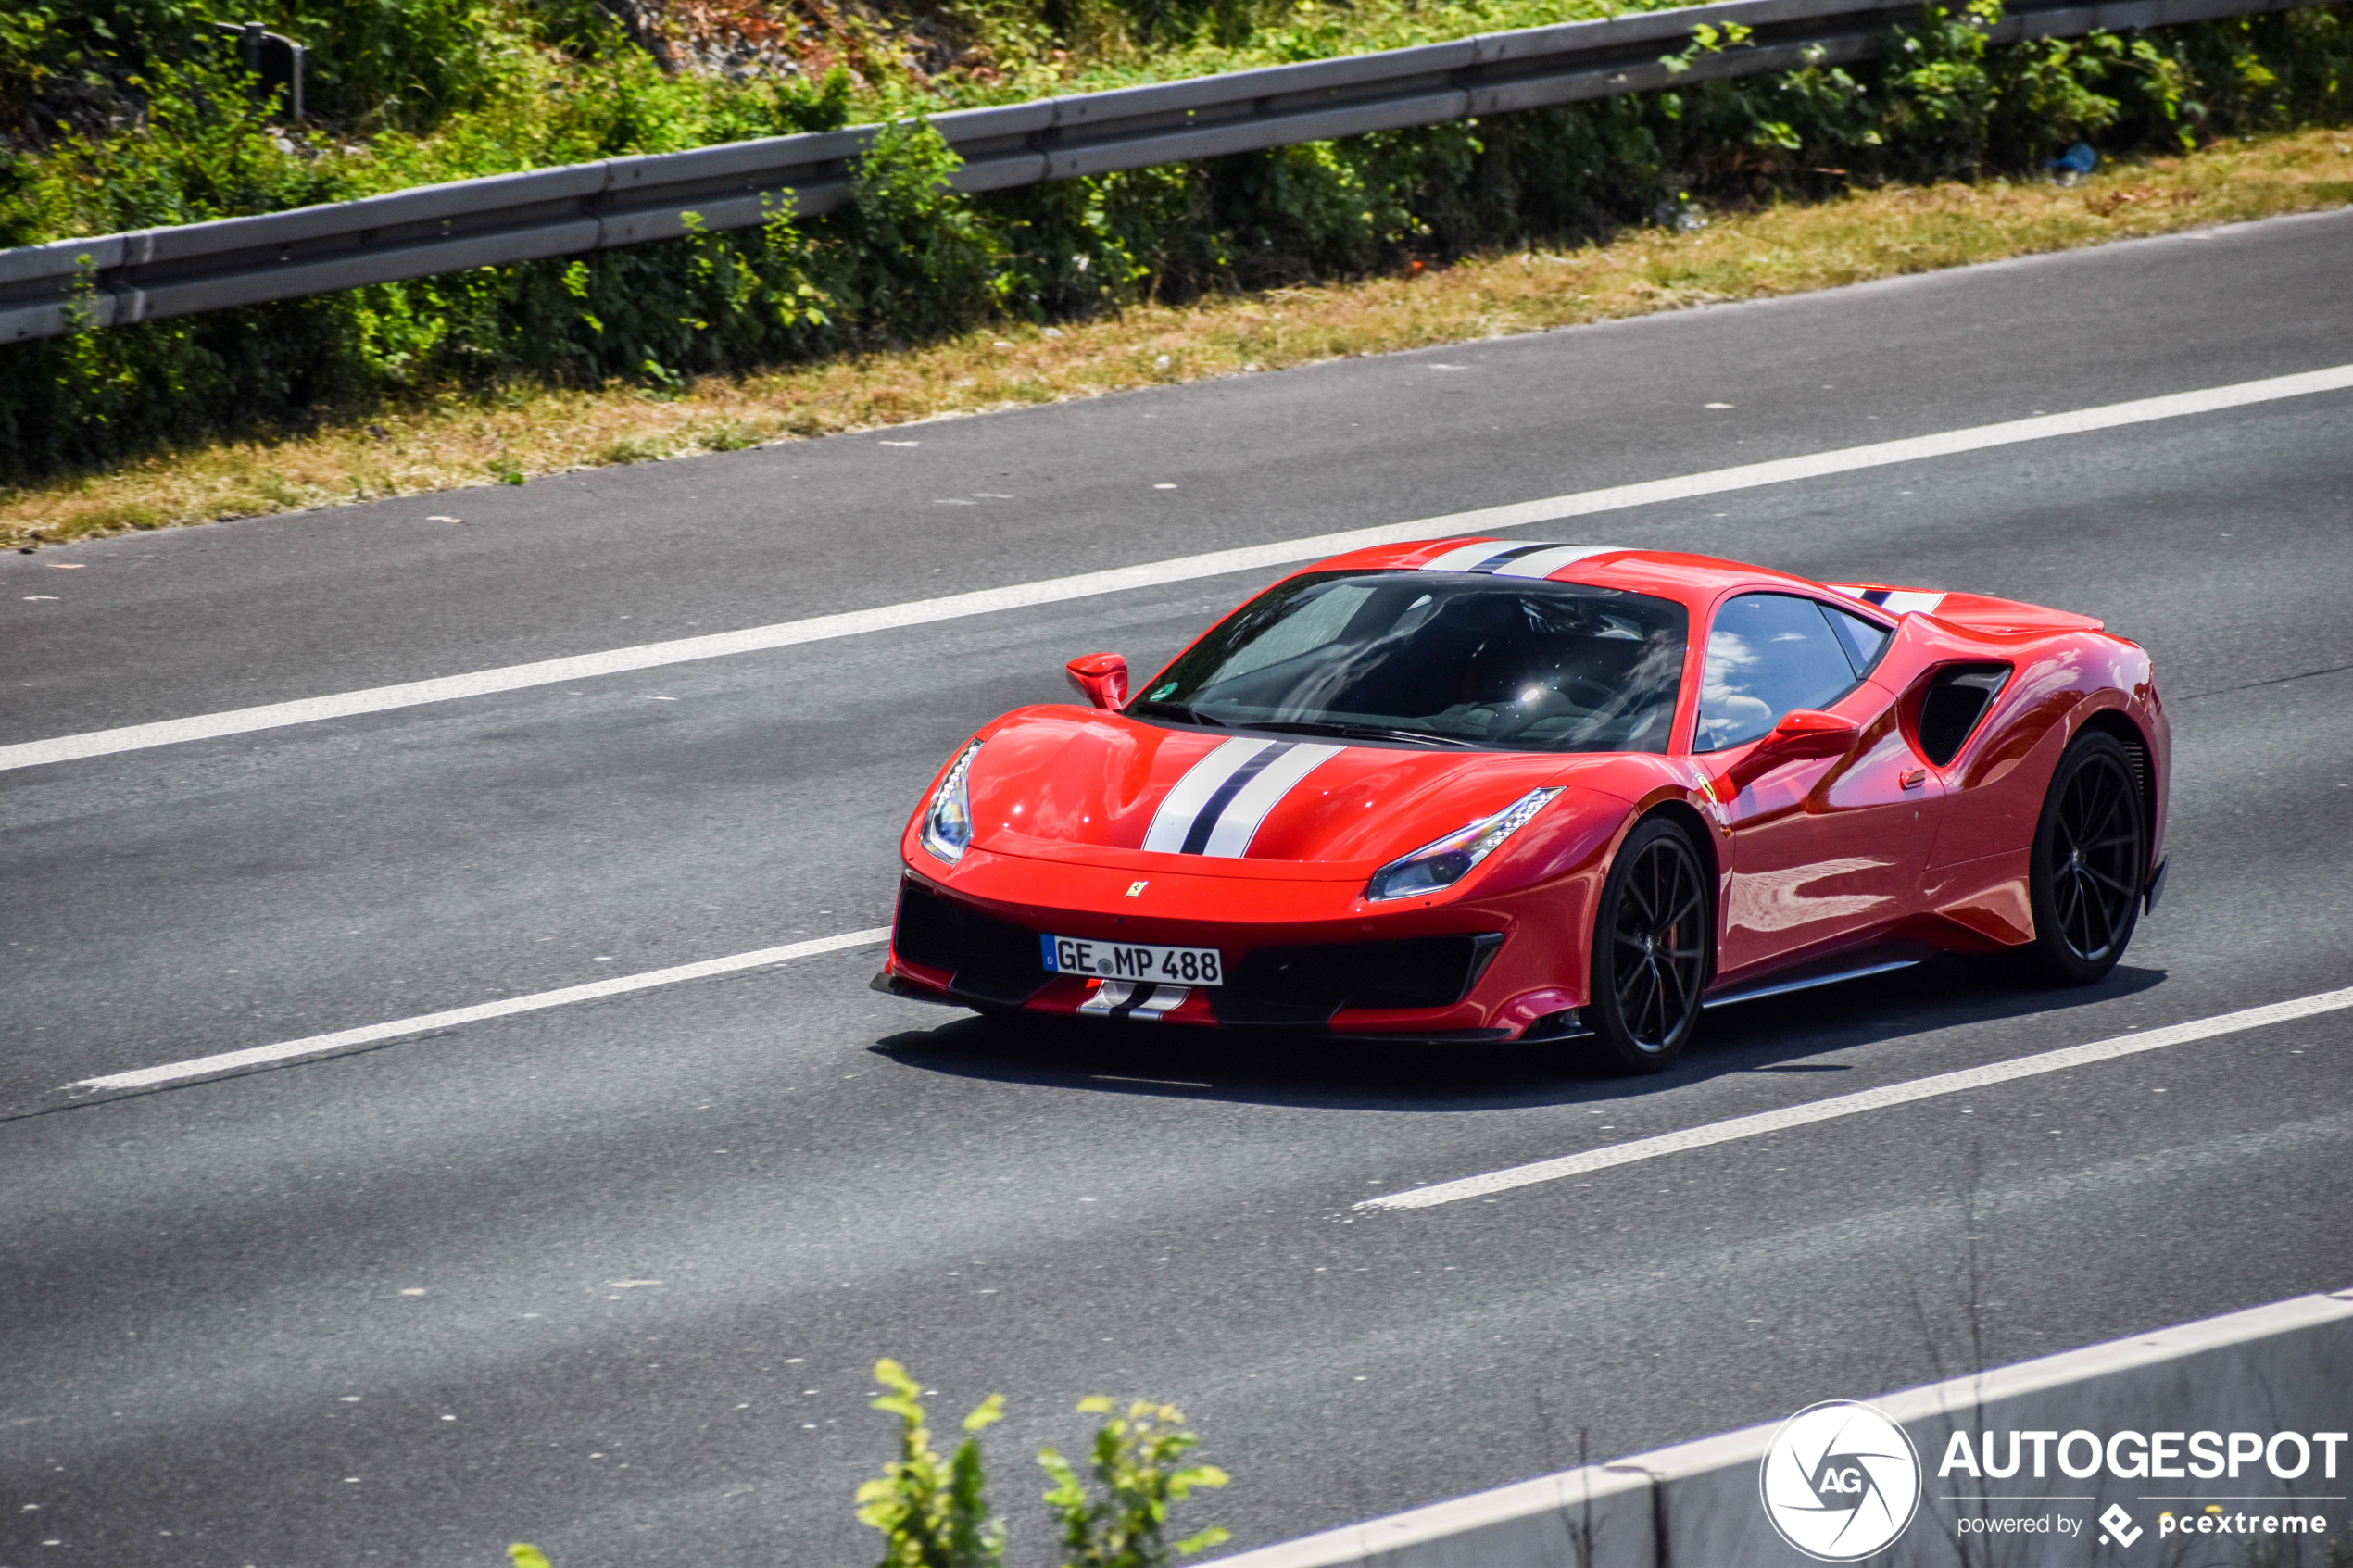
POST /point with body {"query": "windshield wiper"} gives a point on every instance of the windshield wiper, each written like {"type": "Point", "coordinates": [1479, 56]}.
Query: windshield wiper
{"type": "Point", "coordinates": [1360, 732]}
{"type": "Point", "coordinates": [1176, 710]}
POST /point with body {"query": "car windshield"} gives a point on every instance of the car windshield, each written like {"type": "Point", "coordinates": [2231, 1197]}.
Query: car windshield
{"type": "Point", "coordinates": [1449, 657]}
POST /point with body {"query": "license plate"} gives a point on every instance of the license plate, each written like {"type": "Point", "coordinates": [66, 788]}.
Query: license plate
{"type": "Point", "coordinates": [1133, 960]}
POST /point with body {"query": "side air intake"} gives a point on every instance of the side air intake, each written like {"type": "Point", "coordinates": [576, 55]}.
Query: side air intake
{"type": "Point", "coordinates": [1957, 700]}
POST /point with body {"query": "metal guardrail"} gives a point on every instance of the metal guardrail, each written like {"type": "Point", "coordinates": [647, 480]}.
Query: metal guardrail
{"type": "Point", "coordinates": [48, 290]}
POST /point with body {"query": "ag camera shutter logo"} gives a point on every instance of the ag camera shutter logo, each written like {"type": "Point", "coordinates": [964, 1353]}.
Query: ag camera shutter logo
{"type": "Point", "coordinates": [1840, 1481]}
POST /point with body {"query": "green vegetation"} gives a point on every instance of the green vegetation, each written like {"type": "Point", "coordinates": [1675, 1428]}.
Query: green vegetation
{"type": "Point", "coordinates": [935, 1514]}
{"type": "Point", "coordinates": [457, 437]}
{"type": "Point", "coordinates": [1136, 1463]}
{"type": "Point", "coordinates": [126, 113]}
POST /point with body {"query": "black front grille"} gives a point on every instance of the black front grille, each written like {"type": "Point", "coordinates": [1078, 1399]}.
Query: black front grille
{"type": "Point", "coordinates": [989, 959]}
{"type": "Point", "coordinates": [1307, 986]}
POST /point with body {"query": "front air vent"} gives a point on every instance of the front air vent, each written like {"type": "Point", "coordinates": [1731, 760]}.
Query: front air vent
{"type": "Point", "coordinates": [1307, 986]}
{"type": "Point", "coordinates": [987, 960]}
{"type": "Point", "coordinates": [1958, 697]}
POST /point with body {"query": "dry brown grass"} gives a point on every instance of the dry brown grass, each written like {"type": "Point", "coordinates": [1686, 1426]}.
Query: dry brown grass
{"type": "Point", "coordinates": [1777, 250]}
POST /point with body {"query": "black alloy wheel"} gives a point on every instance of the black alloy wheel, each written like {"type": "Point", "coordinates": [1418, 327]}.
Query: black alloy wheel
{"type": "Point", "coordinates": [1650, 937]}
{"type": "Point", "coordinates": [2091, 849]}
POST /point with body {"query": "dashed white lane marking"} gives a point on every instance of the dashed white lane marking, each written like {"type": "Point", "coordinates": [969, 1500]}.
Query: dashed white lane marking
{"type": "Point", "coordinates": [322, 1044]}
{"type": "Point", "coordinates": [1216, 563]}
{"type": "Point", "coordinates": [1855, 1104]}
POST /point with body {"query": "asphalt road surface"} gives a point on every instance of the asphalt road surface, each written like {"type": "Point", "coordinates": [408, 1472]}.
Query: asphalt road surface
{"type": "Point", "coordinates": [610, 1277]}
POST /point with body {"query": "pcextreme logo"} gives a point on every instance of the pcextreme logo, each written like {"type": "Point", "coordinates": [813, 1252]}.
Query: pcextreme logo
{"type": "Point", "coordinates": [1840, 1481]}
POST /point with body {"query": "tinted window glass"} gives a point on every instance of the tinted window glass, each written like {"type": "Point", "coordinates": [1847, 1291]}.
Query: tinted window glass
{"type": "Point", "coordinates": [1768, 654]}
{"type": "Point", "coordinates": [1862, 639]}
{"type": "Point", "coordinates": [1307, 623]}
{"type": "Point", "coordinates": [1525, 665]}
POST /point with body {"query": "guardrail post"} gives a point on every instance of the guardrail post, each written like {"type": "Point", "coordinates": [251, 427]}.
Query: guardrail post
{"type": "Point", "coordinates": [255, 47]}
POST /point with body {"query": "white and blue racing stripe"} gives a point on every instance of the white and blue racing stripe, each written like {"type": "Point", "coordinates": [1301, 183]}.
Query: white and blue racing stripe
{"type": "Point", "coordinates": [1496, 558]}
{"type": "Point", "coordinates": [1255, 796]}
{"type": "Point", "coordinates": [1185, 803]}
{"type": "Point", "coordinates": [1217, 808]}
{"type": "Point", "coordinates": [1128, 998]}
{"type": "Point", "coordinates": [1544, 562]}
{"type": "Point", "coordinates": [1896, 601]}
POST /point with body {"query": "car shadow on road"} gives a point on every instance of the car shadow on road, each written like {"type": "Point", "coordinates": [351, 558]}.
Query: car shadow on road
{"type": "Point", "coordinates": [1779, 1034]}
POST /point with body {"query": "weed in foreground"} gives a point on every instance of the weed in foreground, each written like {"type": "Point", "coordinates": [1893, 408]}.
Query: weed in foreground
{"type": "Point", "coordinates": [1122, 1520]}
{"type": "Point", "coordinates": [933, 1512]}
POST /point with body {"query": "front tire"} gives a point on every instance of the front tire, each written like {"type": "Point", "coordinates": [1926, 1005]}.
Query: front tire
{"type": "Point", "coordinates": [2091, 848]}
{"type": "Point", "coordinates": [1651, 934]}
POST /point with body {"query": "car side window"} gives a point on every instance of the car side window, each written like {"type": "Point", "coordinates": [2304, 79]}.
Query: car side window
{"type": "Point", "coordinates": [1863, 640]}
{"type": "Point", "coordinates": [1768, 655]}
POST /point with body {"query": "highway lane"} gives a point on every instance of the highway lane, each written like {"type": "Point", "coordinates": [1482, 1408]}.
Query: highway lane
{"type": "Point", "coordinates": [227, 894]}
{"type": "Point", "coordinates": [207, 1320]}
{"type": "Point", "coordinates": [275, 609]}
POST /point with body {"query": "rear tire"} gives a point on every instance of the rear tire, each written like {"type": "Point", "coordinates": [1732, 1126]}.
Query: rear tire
{"type": "Point", "coordinates": [2091, 850]}
{"type": "Point", "coordinates": [1652, 932]}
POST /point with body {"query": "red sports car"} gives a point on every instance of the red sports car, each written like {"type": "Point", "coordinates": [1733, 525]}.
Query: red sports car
{"type": "Point", "coordinates": [1479, 791]}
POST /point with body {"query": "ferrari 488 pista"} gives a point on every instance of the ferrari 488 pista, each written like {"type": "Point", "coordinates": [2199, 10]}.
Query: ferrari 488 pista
{"type": "Point", "coordinates": [1483, 792]}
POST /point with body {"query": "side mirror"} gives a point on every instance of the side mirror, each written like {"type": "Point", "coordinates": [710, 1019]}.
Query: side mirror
{"type": "Point", "coordinates": [1803, 733]}
{"type": "Point", "coordinates": [1101, 678]}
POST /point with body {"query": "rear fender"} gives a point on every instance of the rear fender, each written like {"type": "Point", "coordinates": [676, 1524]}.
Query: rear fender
{"type": "Point", "coordinates": [2059, 686]}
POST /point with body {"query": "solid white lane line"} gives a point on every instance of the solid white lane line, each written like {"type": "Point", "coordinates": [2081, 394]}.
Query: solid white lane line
{"type": "Point", "coordinates": [1855, 1104]}
{"type": "Point", "coordinates": [1216, 563]}
{"type": "Point", "coordinates": [320, 1045]}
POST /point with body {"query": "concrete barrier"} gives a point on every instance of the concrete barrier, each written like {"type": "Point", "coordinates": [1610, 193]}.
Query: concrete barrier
{"type": "Point", "coordinates": [2206, 1392]}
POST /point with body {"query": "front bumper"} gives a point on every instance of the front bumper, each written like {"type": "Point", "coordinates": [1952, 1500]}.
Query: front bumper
{"type": "Point", "coordinates": [1453, 974]}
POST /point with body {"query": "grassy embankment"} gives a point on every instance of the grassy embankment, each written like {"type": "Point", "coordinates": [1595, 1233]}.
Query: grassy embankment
{"type": "Point", "coordinates": [457, 440]}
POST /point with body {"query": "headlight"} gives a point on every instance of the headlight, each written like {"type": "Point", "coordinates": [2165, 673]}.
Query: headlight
{"type": "Point", "coordinates": [1446, 862]}
{"type": "Point", "coordinates": [948, 820]}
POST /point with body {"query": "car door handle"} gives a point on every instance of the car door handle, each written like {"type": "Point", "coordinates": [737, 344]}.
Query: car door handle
{"type": "Point", "coordinates": [1913, 779]}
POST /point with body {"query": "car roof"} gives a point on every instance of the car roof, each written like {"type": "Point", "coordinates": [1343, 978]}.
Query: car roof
{"type": "Point", "coordinates": [1694, 579]}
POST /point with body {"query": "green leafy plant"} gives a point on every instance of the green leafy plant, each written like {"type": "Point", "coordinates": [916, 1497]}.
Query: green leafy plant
{"type": "Point", "coordinates": [933, 1513]}
{"type": "Point", "coordinates": [1136, 1465]}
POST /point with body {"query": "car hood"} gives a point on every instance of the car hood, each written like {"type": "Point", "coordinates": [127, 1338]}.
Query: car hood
{"type": "Point", "coordinates": [1063, 782]}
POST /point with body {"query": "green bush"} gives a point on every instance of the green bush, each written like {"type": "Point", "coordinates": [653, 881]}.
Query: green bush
{"type": "Point", "coordinates": [514, 84]}
{"type": "Point", "coordinates": [932, 1514]}
{"type": "Point", "coordinates": [66, 66]}
{"type": "Point", "coordinates": [1135, 1464]}
{"type": "Point", "coordinates": [935, 1514]}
